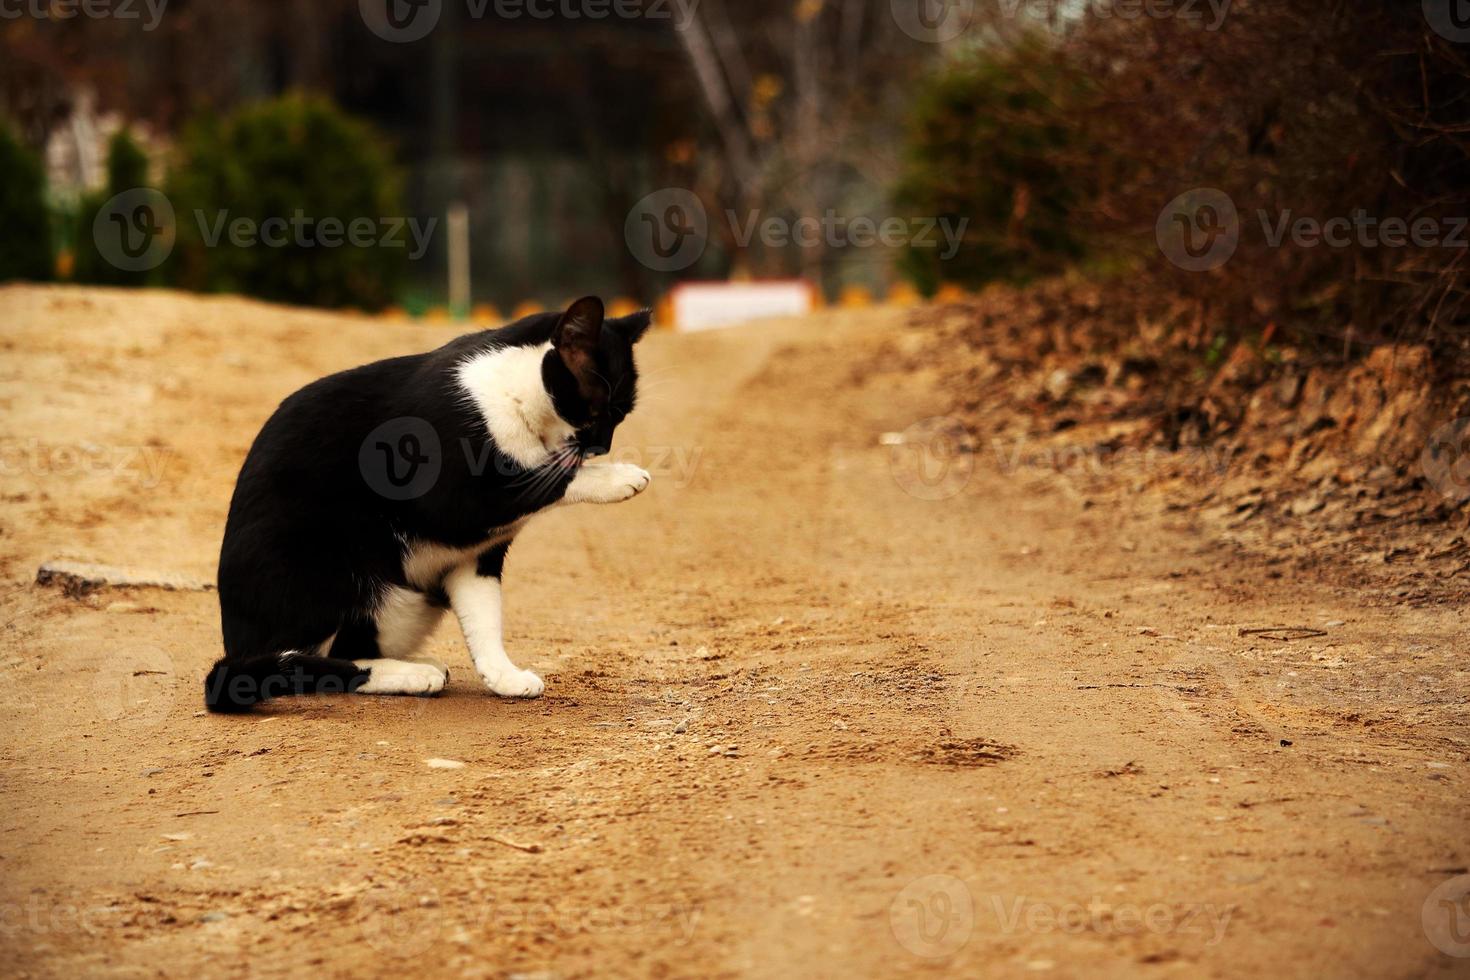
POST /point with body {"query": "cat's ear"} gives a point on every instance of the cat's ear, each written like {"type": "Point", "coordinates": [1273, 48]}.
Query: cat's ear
{"type": "Point", "coordinates": [575, 337]}
{"type": "Point", "coordinates": [634, 326]}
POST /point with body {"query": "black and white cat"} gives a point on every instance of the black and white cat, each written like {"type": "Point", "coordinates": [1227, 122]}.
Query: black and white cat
{"type": "Point", "coordinates": [374, 499]}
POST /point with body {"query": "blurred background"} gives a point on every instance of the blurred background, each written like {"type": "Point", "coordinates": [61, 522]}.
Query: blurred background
{"type": "Point", "coordinates": [1046, 136]}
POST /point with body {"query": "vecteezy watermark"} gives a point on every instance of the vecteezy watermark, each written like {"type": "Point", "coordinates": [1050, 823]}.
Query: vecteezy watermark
{"type": "Point", "coordinates": [1201, 229]}
{"type": "Point", "coordinates": [1203, 463]}
{"type": "Point", "coordinates": [932, 21]}
{"type": "Point", "coordinates": [406, 21]}
{"type": "Point", "coordinates": [933, 916]}
{"type": "Point", "coordinates": [403, 459]}
{"type": "Point", "coordinates": [1363, 230]}
{"type": "Point", "coordinates": [136, 230]}
{"type": "Point", "coordinates": [668, 230]}
{"type": "Point", "coordinates": [1450, 19]}
{"type": "Point", "coordinates": [1020, 914]}
{"type": "Point", "coordinates": [1446, 459]}
{"type": "Point", "coordinates": [401, 922]}
{"type": "Point", "coordinates": [409, 922]}
{"type": "Point", "coordinates": [37, 916]}
{"type": "Point", "coordinates": [303, 231]}
{"type": "Point", "coordinates": [1446, 917]}
{"type": "Point", "coordinates": [140, 465]}
{"type": "Point", "coordinates": [91, 9]}
{"type": "Point", "coordinates": [135, 686]}
{"type": "Point", "coordinates": [933, 459]}
{"type": "Point", "coordinates": [837, 231]}
{"type": "Point", "coordinates": [668, 920]}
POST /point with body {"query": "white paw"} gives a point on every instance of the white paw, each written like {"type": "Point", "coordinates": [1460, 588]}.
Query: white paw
{"type": "Point", "coordinates": [626, 481]}
{"type": "Point", "coordinates": [516, 684]}
{"type": "Point", "coordinates": [438, 665]}
{"type": "Point", "coordinates": [402, 677]}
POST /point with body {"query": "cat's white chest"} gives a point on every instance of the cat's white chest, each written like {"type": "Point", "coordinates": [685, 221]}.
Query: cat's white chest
{"type": "Point", "coordinates": [505, 386]}
{"type": "Point", "coordinates": [426, 563]}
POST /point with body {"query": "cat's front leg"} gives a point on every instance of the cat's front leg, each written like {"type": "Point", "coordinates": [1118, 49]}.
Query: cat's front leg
{"type": "Point", "coordinates": [474, 594]}
{"type": "Point", "coordinates": [606, 483]}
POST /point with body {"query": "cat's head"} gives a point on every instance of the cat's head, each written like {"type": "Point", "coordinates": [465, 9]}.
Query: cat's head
{"type": "Point", "coordinates": [589, 371]}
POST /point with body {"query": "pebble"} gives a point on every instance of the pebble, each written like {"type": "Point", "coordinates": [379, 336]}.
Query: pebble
{"type": "Point", "coordinates": [681, 728]}
{"type": "Point", "coordinates": [444, 763]}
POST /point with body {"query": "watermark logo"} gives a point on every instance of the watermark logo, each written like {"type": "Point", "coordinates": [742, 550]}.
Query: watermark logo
{"type": "Point", "coordinates": [406, 21]}
{"type": "Point", "coordinates": [932, 21]}
{"type": "Point", "coordinates": [135, 230]}
{"type": "Point", "coordinates": [400, 923]}
{"type": "Point", "coordinates": [135, 686]}
{"type": "Point", "coordinates": [933, 916]}
{"type": "Point", "coordinates": [401, 21]}
{"type": "Point", "coordinates": [667, 230]}
{"type": "Point", "coordinates": [1103, 918]}
{"type": "Point", "coordinates": [401, 459]}
{"type": "Point", "coordinates": [931, 459]}
{"type": "Point", "coordinates": [142, 466]}
{"type": "Point", "coordinates": [1362, 230]}
{"type": "Point", "coordinates": [1446, 459]}
{"type": "Point", "coordinates": [1199, 230]}
{"type": "Point", "coordinates": [91, 9]}
{"type": "Point", "coordinates": [1204, 465]}
{"type": "Point", "coordinates": [305, 231]}
{"type": "Point", "coordinates": [39, 917]}
{"type": "Point", "coordinates": [1446, 917]}
{"type": "Point", "coordinates": [1450, 19]}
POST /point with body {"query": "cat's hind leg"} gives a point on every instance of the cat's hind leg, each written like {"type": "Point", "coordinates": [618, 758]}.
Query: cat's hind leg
{"type": "Point", "coordinates": [386, 676]}
{"type": "Point", "coordinates": [405, 618]}
{"type": "Point", "coordinates": [395, 629]}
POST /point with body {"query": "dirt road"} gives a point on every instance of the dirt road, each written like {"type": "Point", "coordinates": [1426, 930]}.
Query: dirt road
{"type": "Point", "coordinates": [801, 718]}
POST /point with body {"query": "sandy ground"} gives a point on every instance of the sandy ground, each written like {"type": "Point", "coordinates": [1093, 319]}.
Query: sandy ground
{"type": "Point", "coordinates": [801, 717]}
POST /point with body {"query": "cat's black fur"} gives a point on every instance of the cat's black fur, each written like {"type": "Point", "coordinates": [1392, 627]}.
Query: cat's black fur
{"type": "Point", "coordinates": [310, 542]}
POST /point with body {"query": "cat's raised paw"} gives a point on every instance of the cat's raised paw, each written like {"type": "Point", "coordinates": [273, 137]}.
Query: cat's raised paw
{"type": "Point", "coordinates": [516, 684]}
{"type": "Point", "coordinates": [627, 481]}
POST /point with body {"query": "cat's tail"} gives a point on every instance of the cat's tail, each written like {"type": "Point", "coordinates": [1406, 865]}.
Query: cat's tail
{"type": "Point", "coordinates": [235, 684]}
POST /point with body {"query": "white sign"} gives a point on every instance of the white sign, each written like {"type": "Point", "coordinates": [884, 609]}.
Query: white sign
{"type": "Point", "coordinates": [706, 305]}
